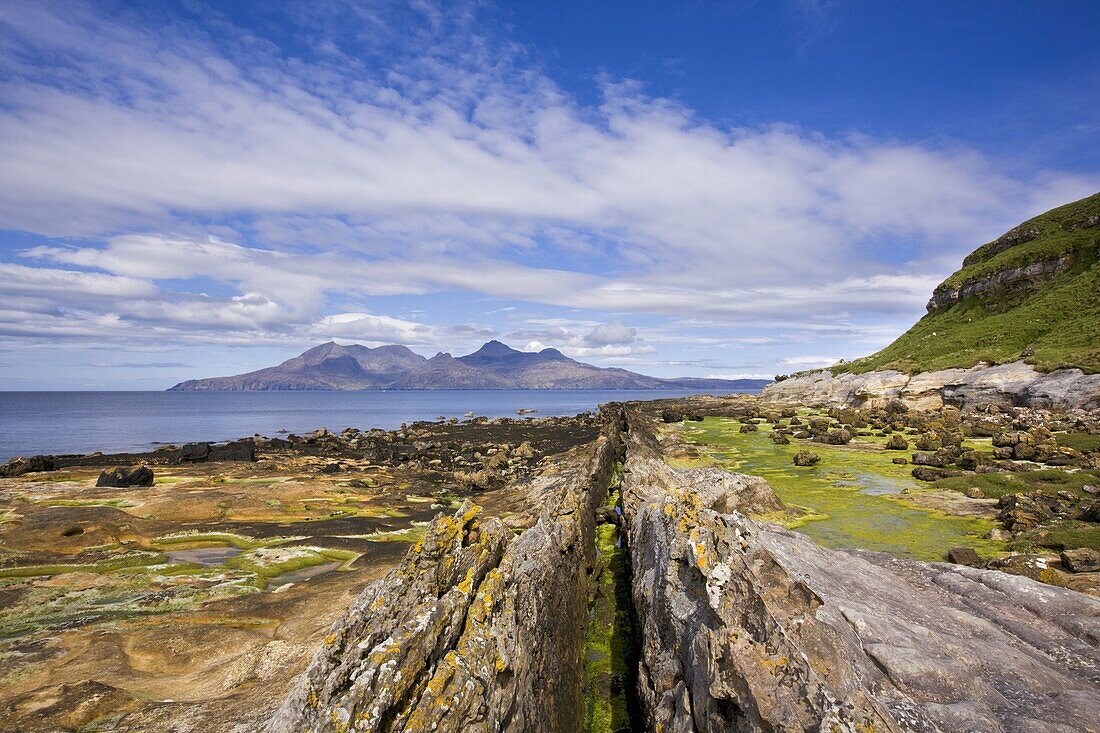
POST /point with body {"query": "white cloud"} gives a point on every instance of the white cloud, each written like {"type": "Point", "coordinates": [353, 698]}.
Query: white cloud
{"type": "Point", "coordinates": [302, 186]}
{"type": "Point", "coordinates": [809, 362]}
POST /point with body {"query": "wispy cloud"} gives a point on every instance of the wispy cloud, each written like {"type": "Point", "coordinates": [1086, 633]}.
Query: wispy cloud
{"type": "Point", "coordinates": [407, 152]}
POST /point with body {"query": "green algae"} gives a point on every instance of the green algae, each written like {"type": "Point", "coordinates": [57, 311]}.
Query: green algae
{"type": "Point", "coordinates": [610, 642]}
{"type": "Point", "coordinates": [135, 559]}
{"type": "Point", "coordinates": [852, 495]}
{"type": "Point", "coordinates": [115, 503]}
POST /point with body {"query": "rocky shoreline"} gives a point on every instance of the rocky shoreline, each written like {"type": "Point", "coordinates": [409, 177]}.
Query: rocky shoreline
{"type": "Point", "coordinates": [1014, 384]}
{"type": "Point", "coordinates": [475, 556]}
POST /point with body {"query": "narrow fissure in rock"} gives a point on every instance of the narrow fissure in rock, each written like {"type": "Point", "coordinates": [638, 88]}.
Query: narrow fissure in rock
{"type": "Point", "coordinates": [611, 641]}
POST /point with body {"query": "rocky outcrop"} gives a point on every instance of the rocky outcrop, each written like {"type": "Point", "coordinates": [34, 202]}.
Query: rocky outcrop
{"type": "Point", "coordinates": [741, 625]}
{"type": "Point", "coordinates": [1014, 384]}
{"type": "Point", "coordinates": [748, 627]}
{"type": "Point", "coordinates": [1025, 278]}
{"type": "Point", "coordinates": [477, 630]}
{"type": "Point", "coordinates": [121, 477]}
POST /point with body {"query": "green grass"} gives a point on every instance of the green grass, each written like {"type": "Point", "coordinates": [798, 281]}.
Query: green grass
{"type": "Point", "coordinates": [1059, 322]}
{"type": "Point", "coordinates": [116, 503]}
{"type": "Point", "coordinates": [995, 485]}
{"type": "Point", "coordinates": [1079, 441]}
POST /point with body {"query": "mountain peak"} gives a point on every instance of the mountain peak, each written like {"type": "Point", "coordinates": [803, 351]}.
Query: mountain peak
{"type": "Point", "coordinates": [495, 349]}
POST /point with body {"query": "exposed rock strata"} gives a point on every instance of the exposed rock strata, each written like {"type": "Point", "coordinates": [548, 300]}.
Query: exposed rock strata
{"type": "Point", "coordinates": [750, 627]}
{"type": "Point", "coordinates": [744, 626]}
{"type": "Point", "coordinates": [1023, 279]}
{"type": "Point", "coordinates": [1017, 384]}
{"type": "Point", "coordinates": [476, 630]}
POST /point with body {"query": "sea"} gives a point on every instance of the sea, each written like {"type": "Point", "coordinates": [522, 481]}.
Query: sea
{"type": "Point", "coordinates": [116, 422]}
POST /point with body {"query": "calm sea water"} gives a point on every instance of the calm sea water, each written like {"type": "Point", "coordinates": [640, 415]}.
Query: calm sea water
{"type": "Point", "coordinates": [114, 422]}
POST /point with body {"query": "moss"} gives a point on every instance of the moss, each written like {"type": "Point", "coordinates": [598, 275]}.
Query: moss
{"type": "Point", "coordinates": [1083, 442]}
{"type": "Point", "coordinates": [116, 503]}
{"type": "Point", "coordinates": [206, 539]}
{"type": "Point", "coordinates": [126, 560]}
{"type": "Point", "coordinates": [852, 496]}
{"type": "Point", "coordinates": [1068, 534]}
{"type": "Point", "coordinates": [610, 641]}
{"type": "Point", "coordinates": [1049, 481]}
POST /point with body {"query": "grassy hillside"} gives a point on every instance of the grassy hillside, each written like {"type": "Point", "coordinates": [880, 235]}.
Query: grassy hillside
{"type": "Point", "coordinates": [1033, 293]}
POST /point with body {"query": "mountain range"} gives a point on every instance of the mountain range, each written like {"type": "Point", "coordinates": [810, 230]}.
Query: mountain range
{"type": "Point", "coordinates": [332, 366]}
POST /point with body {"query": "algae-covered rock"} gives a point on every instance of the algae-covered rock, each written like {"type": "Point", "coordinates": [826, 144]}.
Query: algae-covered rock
{"type": "Point", "coordinates": [806, 458]}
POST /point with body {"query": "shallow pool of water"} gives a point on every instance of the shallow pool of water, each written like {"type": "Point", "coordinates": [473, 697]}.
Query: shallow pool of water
{"type": "Point", "coordinates": [302, 574]}
{"type": "Point", "coordinates": [852, 492]}
{"type": "Point", "coordinates": [207, 556]}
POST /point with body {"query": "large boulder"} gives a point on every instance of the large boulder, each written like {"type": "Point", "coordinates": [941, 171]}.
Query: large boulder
{"type": "Point", "coordinates": [34, 464]}
{"type": "Point", "coordinates": [121, 477]}
{"type": "Point", "coordinates": [806, 458]}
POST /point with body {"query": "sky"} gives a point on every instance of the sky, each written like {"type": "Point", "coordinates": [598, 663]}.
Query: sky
{"type": "Point", "coordinates": [736, 189]}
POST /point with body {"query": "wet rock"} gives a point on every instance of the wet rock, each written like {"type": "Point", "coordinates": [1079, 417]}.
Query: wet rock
{"type": "Point", "coordinates": [963, 556]}
{"type": "Point", "coordinates": [806, 458]}
{"type": "Point", "coordinates": [780, 439]}
{"type": "Point", "coordinates": [1083, 560]}
{"type": "Point", "coordinates": [931, 473]}
{"type": "Point", "coordinates": [121, 477]}
{"type": "Point", "coordinates": [900, 460]}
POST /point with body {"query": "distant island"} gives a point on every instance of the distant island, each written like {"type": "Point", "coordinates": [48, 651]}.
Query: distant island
{"type": "Point", "coordinates": [495, 365]}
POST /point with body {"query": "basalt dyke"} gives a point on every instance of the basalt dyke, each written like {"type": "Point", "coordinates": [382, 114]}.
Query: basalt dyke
{"type": "Point", "coordinates": [603, 573]}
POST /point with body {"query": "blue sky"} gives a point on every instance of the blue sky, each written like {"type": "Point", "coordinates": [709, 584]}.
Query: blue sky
{"type": "Point", "coordinates": [695, 188]}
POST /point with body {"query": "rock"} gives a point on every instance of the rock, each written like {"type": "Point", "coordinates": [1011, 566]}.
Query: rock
{"type": "Point", "coordinates": [1091, 513]}
{"type": "Point", "coordinates": [897, 442]}
{"type": "Point", "coordinates": [121, 477]}
{"type": "Point", "coordinates": [238, 450]}
{"type": "Point", "coordinates": [974, 493]}
{"type": "Point", "coordinates": [34, 464]}
{"type": "Point", "coordinates": [806, 458]}
{"type": "Point", "coordinates": [194, 452]}
{"type": "Point", "coordinates": [1020, 512]}
{"type": "Point", "coordinates": [929, 459]}
{"type": "Point", "coordinates": [1083, 560]}
{"type": "Point", "coordinates": [840, 436]}
{"type": "Point", "coordinates": [525, 451]}
{"type": "Point", "coordinates": [803, 435]}
{"type": "Point", "coordinates": [749, 427]}
{"type": "Point", "coordinates": [746, 626]}
{"type": "Point", "coordinates": [607, 515]}
{"type": "Point", "coordinates": [1091, 489]}
{"type": "Point", "coordinates": [963, 556]}
{"type": "Point", "coordinates": [971, 460]}
{"type": "Point", "coordinates": [1011, 384]}
{"type": "Point", "coordinates": [477, 629]}
{"type": "Point", "coordinates": [929, 442]}
{"type": "Point", "coordinates": [780, 439]}
{"type": "Point", "coordinates": [930, 473]}
{"type": "Point", "coordinates": [900, 460]}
